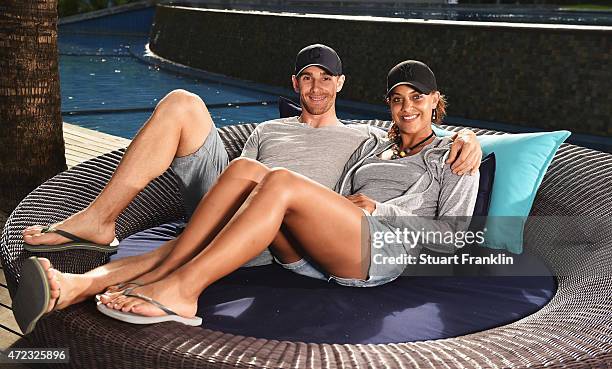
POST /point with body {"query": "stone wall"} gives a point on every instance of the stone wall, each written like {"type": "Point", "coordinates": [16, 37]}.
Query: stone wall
{"type": "Point", "coordinates": [552, 77]}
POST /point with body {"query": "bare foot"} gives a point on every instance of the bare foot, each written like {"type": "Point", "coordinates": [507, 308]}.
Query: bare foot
{"type": "Point", "coordinates": [147, 278]}
{"type": "Point", "coordinates": [116, 291]}
{"type": "Point", "coordinates": [84, 224]}
{"type": "Point", "coordinates": [166, 292]}
{"type": "Point", "coordinates": [122, 286]}
{"type": "Point", "coordinates": [66, 289]}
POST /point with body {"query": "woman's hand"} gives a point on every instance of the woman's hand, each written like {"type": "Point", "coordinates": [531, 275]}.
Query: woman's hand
{"type": "Point", "coordinates": [465, 154]}
{"type": "Point", "coordinates": [363, 202]}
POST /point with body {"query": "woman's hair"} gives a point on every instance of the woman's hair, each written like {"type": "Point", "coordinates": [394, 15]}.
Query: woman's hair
{"type": "Point", "coordinates": [440, 114]}
{"type": "Point", "coordinates": [440, 110]}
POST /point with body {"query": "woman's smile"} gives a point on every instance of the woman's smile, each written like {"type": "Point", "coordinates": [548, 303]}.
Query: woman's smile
{"type": "Point", "coordinates": [408, 118]}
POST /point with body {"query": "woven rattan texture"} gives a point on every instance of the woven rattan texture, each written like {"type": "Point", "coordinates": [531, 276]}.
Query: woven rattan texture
{"type": "Point", "coordinates": [573, 330]}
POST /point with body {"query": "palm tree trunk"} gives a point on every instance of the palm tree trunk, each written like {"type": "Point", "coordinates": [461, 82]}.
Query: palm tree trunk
{"type": "Point", "coordinates": [31, 138]}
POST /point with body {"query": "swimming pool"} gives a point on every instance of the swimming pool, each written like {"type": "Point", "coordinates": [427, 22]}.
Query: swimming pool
{"type": "Point", "coordinates": [105, 88]}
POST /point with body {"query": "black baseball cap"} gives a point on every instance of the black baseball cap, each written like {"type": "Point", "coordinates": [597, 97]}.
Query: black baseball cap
{"type": "Point", "coordinates": [320, 56]}
{"type": "Point", "coordinates": [413, 73]}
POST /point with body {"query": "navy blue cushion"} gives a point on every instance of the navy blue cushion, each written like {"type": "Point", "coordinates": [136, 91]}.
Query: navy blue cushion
{"type": "Point", "coordinates": [273, 303]}
{"type": "Point", "coordinates": [485, 185]}
{"type": "Point", "coordinates": [483, 198]}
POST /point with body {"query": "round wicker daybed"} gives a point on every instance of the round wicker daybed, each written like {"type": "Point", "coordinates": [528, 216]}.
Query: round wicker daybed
{"type": "Point", "coordinates": [574, 330]}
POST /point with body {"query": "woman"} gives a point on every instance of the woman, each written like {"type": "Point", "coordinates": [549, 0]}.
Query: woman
{"type": "Point", "coordinates": [311, 230]}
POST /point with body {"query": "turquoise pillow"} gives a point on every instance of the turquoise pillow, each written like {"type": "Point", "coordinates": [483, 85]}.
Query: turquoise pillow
{"type": "Point", "coordinates": [521, 162]}
{"type": "Point", "coordinates": [441, 132]}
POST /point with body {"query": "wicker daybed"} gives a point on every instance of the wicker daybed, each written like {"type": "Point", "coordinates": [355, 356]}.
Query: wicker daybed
{"type": "Point", "coordinates": [574, 330]}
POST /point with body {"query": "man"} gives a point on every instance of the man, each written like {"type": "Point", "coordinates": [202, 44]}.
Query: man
{"type": "Point", "coordinates": [183, 136]}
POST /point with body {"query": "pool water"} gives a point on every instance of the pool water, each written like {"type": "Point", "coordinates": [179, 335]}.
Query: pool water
{"type": "Point", "coordinates": [99, 79]}
{"type": "Point", "coordinates": [105, 88]}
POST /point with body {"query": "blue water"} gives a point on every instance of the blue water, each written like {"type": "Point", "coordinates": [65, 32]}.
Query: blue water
{"type": "Point", "coordinates": [99, 78]}
{"type": "Point", "coordinates": [108, 82]}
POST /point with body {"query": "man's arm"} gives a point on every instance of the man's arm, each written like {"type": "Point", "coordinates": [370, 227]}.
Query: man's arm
{"type": "Point", "coordinates": [465, 154]}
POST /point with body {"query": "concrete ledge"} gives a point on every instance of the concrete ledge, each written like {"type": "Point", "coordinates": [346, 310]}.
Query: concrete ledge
{"type": "Point", "coordinates": [367, 18]}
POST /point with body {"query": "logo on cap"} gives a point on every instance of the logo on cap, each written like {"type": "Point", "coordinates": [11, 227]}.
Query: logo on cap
{"type": "Point", "coordinates": [315, 53]}
{"type": "Point", "coordinates": [407, 70]}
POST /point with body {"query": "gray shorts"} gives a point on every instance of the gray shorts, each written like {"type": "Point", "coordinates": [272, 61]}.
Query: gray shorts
{"type": "Point", "coordinates": [197, 172]}
{"type": "Point", "coordinates": [377, 275]}
{"type": "Point", "coordinates": [308, 269]}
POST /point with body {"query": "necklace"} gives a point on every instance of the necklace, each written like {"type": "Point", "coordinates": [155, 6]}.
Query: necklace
{"type": "Point", "coordinates": [397, 153]}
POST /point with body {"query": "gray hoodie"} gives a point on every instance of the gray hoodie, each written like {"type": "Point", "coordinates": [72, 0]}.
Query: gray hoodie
{"type": "Point", "coordinates": [438, 201]}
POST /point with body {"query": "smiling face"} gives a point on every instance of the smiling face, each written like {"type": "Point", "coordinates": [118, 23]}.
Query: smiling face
{"type": "Point", "coordinates": [317, 89]}
{"type": "Point", "coordinates": [411, 110]}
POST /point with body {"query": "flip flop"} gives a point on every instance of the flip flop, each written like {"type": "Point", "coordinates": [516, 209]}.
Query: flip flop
{"type": "Point", "coordinates": [170, 316]}
{"type": "Point", "coordinates": [76, 243]}
{"type": "Point", "coordinates": [33, 294]}
{"type": "Point", "coordinates": [121, 285]}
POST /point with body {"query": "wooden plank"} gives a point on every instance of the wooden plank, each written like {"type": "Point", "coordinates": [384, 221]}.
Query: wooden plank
{"type": "Point", "coordinates": [82, 155]}
{"type": "Point", "coordinates": [71, 163]}
{"type": "Point", "coordinates": [83, 144]}
{"type": "Point", "coordinates": [5, 297]}
{"type": "Point", "coordinates": [7, 319]}
{"type": "Point", "coordinates": [92, 144]}
{"type": "Point", "coordinates": [87, 151]}
{"type": "Point", "coordinates": [94, 135]}
{"type": "Point", "coordinates": [7, 338]}
{"type": "Point", "coordinates": [72, 160]}
{"type": "Point", "coordinates": [78, 131]}
{"type": "Point", "coordinates": [103, 142]}
{"type": "Point", "coordinates": [80, 142]}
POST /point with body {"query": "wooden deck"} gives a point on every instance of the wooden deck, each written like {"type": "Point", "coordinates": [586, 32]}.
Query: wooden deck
{"type": "Point", "coordinates": [81, 144]}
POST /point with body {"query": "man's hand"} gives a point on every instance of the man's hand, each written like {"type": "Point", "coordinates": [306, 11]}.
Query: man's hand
{"type": "Point", "coordinates": [363, 202]}
{"type": "Point", "coordinates": [465, 154]}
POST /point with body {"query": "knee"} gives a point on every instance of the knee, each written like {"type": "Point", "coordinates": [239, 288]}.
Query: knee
{"type": "Point", "coordinates": [248, 168]}
{"type": "Point", "coordinates": [182, 102]}
{"type": "Point", "coordinates": [281, 180]}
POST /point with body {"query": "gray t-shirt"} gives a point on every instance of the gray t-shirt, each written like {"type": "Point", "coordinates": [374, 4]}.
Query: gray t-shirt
{"type": "Point", "coordinates": [317, 153]}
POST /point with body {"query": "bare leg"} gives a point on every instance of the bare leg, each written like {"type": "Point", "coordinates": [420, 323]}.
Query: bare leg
{"type": "Point", "coordinates": [219, 205]}
{"type": "Point", "coordinates": [214, 211]}
{"type": "Point", "coordinates": [79, 287]}
{"type": "Point", "coordinates": [178, 126]}
{"type": "Point", "coordinates": [327, 226]}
